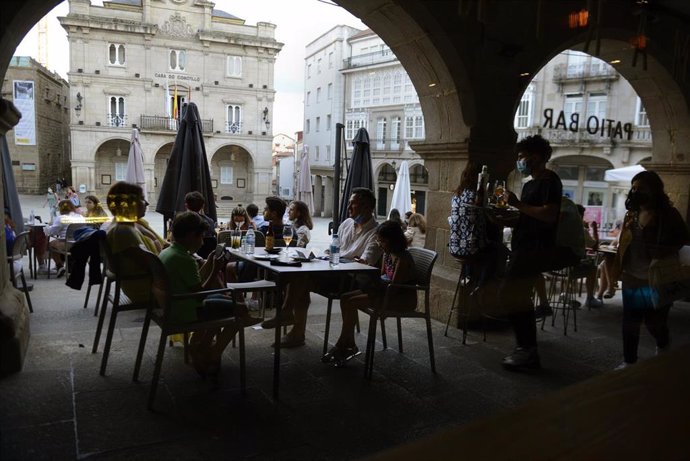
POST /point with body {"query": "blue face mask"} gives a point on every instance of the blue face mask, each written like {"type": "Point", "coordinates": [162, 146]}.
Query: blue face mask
{"type": "Point", "coordinates": [359, 219]}
{"type": "Point", "coordinates": [522, 167]}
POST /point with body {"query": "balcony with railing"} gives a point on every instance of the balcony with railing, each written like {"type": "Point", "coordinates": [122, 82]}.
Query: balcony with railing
{"type": "Point", "coordinates": [368, 59]}
{"type": "Point", "coordinates": [233, 127]}
{"type": "Point", "coordinates": [116, 120]}
{"type": "Point", "coordinates": [163, 123]}
{"type": "Point", "coordinates": [584, 71]}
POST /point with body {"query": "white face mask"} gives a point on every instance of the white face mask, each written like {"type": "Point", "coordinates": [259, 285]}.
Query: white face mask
{"type": "Point", "coordinates": [239, 223]}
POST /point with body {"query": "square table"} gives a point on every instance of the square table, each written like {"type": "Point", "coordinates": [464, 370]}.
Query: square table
{"type": "Point", "coordinates": [306, 270]}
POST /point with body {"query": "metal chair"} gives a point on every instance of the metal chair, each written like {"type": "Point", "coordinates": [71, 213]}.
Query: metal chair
{"type": "Point", "coordinates": [332, 295]}
{"type": "Point", "coordinates": [562, 294]}
{"type": "Point", "coordinates": [424, 264]}
{"type": "Point", "coordinates": [119, 301]}
{"type": "Point", "coordinates": [68, 241]}
{"type": "Point", "coordinates": [159, 311]}
{"type": "Point", "coordinates": [19, 249]}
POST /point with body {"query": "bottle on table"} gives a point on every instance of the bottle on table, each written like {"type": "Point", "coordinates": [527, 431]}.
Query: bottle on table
{"type": "Point", "coordinates": [482, 181]}
{"type": "Point", "coordinates": [250, 241]}
{"type": "Point", "coordinates": [269, 238]}
{"type": "Point", "coordinates": [32, 218]}
{"type": "Point", "coordinates": [335, 251]}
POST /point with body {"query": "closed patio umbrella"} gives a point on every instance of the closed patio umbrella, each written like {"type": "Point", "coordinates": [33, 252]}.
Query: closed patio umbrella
{"type": "Point", "coordinates": [624, 174]}
{"type": "Point", "coordinates": [401, 194]}
{"type": "Point", "coordinates": [187, 169]}
{"type": "Point", "coordinates": [9, 188]}
{"type": "Point", "coordinates": [360, 173]}
{"type": "Point", "coordinates": [304, 190]}
{"type": "Point", "coordinates": [135, 162]}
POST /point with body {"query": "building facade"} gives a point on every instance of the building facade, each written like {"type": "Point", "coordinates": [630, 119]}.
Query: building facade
{"type": "Point", "coordinates": [39, 144]}
{"type": "Point", "coordinates": [352, 77]}
{"type": "Point", "coordinates": [594, 121]}
{"type": "Point", "coordinates": [135, 63]}
{"type": "Point", "coordinates": [284, 166]}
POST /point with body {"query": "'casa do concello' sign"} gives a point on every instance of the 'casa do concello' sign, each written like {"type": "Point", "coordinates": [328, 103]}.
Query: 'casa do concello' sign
{"type": "Point", "coordinates": [594, 125]}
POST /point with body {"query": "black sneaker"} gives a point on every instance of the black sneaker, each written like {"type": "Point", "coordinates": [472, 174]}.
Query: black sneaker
{"type": "Point", "coordinates": [60, 271]}
{"type": "Point", "coordinates": [522, 358]}
{"type": "Point", "coordinates": [543, 311]}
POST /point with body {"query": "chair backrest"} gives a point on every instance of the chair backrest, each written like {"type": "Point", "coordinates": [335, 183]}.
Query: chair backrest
{"type": "Point", "coordinates": [161, 289]}
{"type": "Point", "coordinates": [20, 245]}
{"type": "Point", "coordinates": [259, 239]}
{"type": "Point", "coordinates": [71, 229]}
{"type": "Point", "coordinates": [423, 265]}
{"type": "Point", "coordinates": [224, 237]}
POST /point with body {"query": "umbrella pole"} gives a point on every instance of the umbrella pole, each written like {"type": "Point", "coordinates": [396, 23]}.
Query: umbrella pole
{"type": "Point", "coordinates": [339, 127]}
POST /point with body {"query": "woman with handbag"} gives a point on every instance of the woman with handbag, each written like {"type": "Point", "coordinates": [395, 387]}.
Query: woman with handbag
{"type": "Point", "coordinates": [653, 231]}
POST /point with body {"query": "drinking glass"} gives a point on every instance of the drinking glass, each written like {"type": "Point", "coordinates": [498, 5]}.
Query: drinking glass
{"type": "Point", "coordinates": [236, 236]}
{"type": "Point", "coordinates": [499, 190]}
{"type": "Point", "coordinates": [287, 236]}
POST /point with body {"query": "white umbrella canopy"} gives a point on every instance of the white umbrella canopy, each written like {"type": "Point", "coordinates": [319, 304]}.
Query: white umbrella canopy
{"type": "Point", "coordinates": [401, 194]}
{"type": "Point", "coordinates": [624, 174]}
{"type": "Point", "coordinates": [135, 162]}
{"type": "Point", "coordinates": [304, 188]}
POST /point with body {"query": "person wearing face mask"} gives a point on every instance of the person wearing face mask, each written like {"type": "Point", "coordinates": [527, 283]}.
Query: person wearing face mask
{"type": "Point", "coordinates": [533, 246]}
{"type": "Point", "coordinates": [652, 229]}
{"type": "Point", "coordinates": [239, 219]}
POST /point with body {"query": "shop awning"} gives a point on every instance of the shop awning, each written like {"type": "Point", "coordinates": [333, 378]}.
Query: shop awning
{"type": "Point", "coordinates": [624, 174]}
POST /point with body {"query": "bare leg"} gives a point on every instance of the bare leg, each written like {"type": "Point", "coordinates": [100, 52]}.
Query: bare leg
{"type": "Point", "coordinates": [349, 304]}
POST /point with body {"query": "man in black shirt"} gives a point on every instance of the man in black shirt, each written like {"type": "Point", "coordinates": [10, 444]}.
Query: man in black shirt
{"type": "Point", "coordinates": [533, 244]}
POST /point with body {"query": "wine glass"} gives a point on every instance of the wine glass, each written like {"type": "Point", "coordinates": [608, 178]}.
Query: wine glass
{"type": "Point", "coordinates": [287, 236]}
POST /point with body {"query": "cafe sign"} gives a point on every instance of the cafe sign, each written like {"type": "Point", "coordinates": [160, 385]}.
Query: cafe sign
{"type": "Point", "coordinates": [594, 125]}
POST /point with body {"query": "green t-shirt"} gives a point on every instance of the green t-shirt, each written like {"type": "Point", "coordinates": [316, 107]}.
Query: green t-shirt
{"type": "Point", "coordinates": [183, 272]}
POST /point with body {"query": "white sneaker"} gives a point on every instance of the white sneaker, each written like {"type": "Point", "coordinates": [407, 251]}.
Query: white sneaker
{"type": "Point", "coordinates": [43, 270]}
{"type": "Point", "coordinates": [623, 366]}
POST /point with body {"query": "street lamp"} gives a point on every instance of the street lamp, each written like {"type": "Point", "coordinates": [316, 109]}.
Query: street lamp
{"type": "Point", "coordinates": [266, 120]}
{"type": "Point", "coordinates": [77, 108]}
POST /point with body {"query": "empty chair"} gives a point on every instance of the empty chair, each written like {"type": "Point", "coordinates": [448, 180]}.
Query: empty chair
{"type": "Point", "coordinates": [19, 248]}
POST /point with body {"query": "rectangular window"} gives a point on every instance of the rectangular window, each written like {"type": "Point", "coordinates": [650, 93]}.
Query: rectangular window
{"type": "Point", "coordinates": [226, 175]}
{"type": "Point", "coordinates": [318, 95]}
{"type": "Point", "coordinates": [414, 127]}
{"type": "Point", "coordinates": [641, 114]}
{"type": "Point", "coordinates": [116, 111]}
{"type": "Point", "coordinates": [234, 66]}
{"type": "Point", "coordinates": [395, 133]}
{"type": "Point", "coordinates": [330, 91]}
{"type": "Point", "coordinates": [308, 97]}
{"type": "Point", "coordinates": [318, 66]}
{"type": "Point", "coordinates": [318, 124]}
{"type": "Point", "coordinates": [308, 70]}
{"type": "Point", "coordinates": [522, 115]}
{"type": "Point", "coordinates": [596, 106]}
{"type": "Point", "coordinates": [328, 122]}
{"type": "Point", "coordinates": [116, 54]}
{"type": "Point", "coordinates": [330, 60]}
{"type": "Point", "coordinates": [178, 60]}
{"type": "Point", "coordinates": [572, 105]}
{"type": "Point", "coordinates": [307, 127]}
{"type": "Point", "coordinates": [120, 171]}
{"type": "Point", "coordinates": [316, 153]}
{"type": "Point", "coordinates": [233, 119]}
{"type": "Point", "coordinates": [328, 153]}
{"type": "Point", "coordinates": [381, 133]}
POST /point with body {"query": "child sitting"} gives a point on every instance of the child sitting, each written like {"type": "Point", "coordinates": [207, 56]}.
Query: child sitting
{"type": "Point", "coordinates": [397, 267]}
{"type": "Point", "coordinates": [186, 277]}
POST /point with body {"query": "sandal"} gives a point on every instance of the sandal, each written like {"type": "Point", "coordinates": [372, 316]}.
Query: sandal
{"type": "Point", "coordinates": [609, 294]}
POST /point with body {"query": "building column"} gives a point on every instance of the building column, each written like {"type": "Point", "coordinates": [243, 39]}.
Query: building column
{"type": "Point", "coordinates": [318, 197]}
{"type": "Point", "coordinates": [676, 184]}
{"type": "Point", "coordinates": [328, 198]}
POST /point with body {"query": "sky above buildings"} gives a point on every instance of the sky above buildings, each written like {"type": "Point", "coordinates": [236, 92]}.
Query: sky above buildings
{"type": "Point", "coordinates": [298, 23]}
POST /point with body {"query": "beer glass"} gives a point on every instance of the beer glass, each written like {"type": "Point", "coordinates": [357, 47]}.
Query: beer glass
{"type": "Point", "coordinates": [499, 190]}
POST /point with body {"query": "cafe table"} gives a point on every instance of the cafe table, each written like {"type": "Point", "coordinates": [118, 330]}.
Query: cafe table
{"type": "Point", "coordinates": [284, 274]}
{"type": "Point", "coordinates": [33, 258]}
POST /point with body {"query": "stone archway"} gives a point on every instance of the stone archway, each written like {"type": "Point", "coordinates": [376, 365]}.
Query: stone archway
{"type": "Point", "coordinates": [160, 165]}
{"type": "Point", "coordinates": [385, 180]}
{"type": "Point", "coordinates": [110, 165]}
{"type": "Point", "coordinates": [232, 173]}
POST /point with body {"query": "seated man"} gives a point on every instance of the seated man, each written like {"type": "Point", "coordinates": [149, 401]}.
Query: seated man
{"type": "Point", "coordinates": [257, 219]}
{"type": "Point", "coordinates": [206, 347]}
{"type": "Point", "coordinates": [357, 241]}
{"type": "Point", "coordinates": [195, 202]}
{"type": "Point", "coordinates": [127, 204]}
{"type": "Point", "coordinates": [68, 215]}
{"type": "Point", "coordinates": [587, 268]}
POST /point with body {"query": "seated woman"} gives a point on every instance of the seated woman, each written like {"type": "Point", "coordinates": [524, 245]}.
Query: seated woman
{"type": "Point", "coordinates": [416, 230]}
{"type": "Point", "coordinates": [58, 230]}
{"type": "Point", "coordinates": [128, 230]}
{"type": "Point", "coordinates": [240, 220]}
{"type": "Point", "coordinates": [398, 267]}
{"type": "Point", "coordinates": [205, 347]}
{"type": "Point", "coordinates": [94, 210]}
{"type": "Point", "coordinates": [298, 214]}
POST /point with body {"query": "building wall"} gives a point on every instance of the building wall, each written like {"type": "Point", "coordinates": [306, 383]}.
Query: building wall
{"type": "Point", "coordinates": [50, 154]}
{"type": "Point", "coordinates": [148, 82]}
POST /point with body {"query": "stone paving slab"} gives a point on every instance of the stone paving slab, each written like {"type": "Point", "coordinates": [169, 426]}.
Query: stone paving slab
{"type": "Point", "coordinates": [59, 407]}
